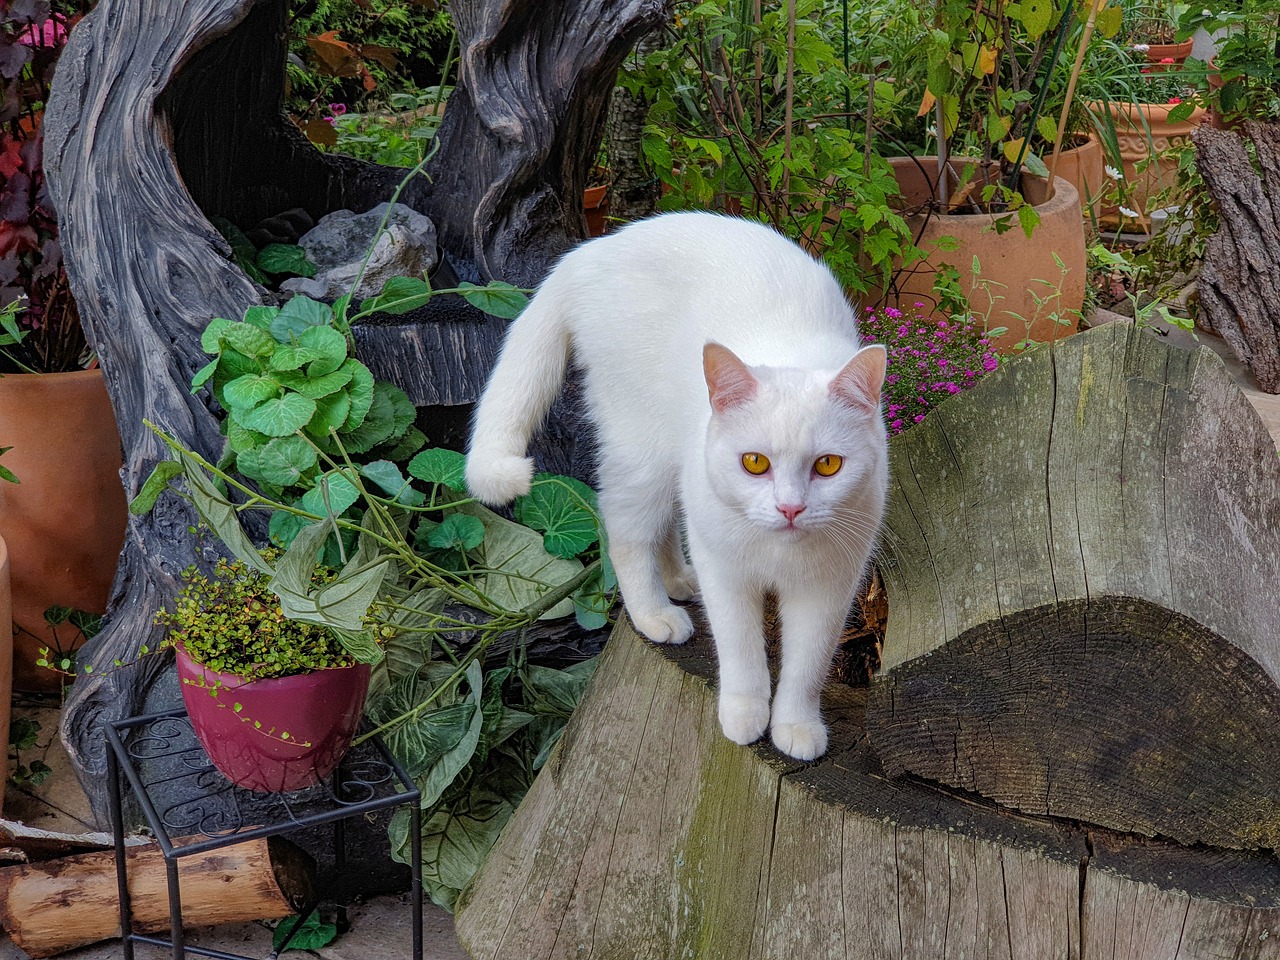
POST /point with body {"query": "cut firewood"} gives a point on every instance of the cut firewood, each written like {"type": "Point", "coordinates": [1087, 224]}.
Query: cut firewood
{"type": "Point", "coordinates": [48, 908]}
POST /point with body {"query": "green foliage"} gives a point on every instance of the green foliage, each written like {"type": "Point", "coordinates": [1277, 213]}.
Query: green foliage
{"type": "Point", "coordinates": [310, 933]}
{"type": "Point", "coordinates": [24, 733]}
{"type": "Point", "coordinates": [729, 130]}
{"type": "Point", "coordinates": [1248, 56]}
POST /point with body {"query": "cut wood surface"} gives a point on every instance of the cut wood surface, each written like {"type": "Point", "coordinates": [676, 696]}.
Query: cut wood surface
{"type": "Point", "coordinates": [51, 907]}
{"type": "Point", "coordinates": [1082, 558]}
{"type": "Point", "coordinates": [649, 835]}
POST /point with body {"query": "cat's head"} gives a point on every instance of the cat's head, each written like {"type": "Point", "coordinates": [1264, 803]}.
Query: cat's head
{"type": "Point", "coordinates": [793, 451]}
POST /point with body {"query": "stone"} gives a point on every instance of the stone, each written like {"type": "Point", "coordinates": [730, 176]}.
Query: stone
{"type": "Point", "coordinates": [337, 245]}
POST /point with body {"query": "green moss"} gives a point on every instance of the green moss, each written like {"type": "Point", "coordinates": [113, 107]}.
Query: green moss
{"type": "Point", "coordinates": [232, 622]}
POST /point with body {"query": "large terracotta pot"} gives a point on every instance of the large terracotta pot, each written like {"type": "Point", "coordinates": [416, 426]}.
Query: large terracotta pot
{"type": "Point", "coordinates": [274, 735]}
{"type": "Point", "coordinates": [1143, 130]}
{"type": "Point", "coordinates": [1014, 268]}
{"type": "Point", "coordinates": [65, 520]}
{"type": "Point", "coordinates": [6, 652]}
{"type": "Point", "coordinates": [1082, 166]}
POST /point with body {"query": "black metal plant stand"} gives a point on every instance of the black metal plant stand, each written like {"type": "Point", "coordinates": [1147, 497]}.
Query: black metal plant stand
{"type": "Point", "coordinates": [210, 806]}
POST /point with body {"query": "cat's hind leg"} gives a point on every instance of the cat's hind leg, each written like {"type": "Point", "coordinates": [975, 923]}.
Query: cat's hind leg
{"type": "Point", "coordinates": [639, 518]}
{"type": "Point", "coordinates": [677, 573]}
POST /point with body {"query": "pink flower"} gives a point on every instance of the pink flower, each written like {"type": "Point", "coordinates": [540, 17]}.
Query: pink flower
{"type": "Point", "coordinates": [337, 109]}
{"type": "Point", "coordinates": [1166, 60]}
{"type": "Point", "coordinates": [1175, 100]}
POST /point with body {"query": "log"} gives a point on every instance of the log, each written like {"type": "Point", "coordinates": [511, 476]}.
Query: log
{"type": "Point", "coordinates": [166, 113]}
{"type": "Point", "coordinates": [650, 835]}
{"type": "Point", "coordinates": [55, 906]}
{"type": "Point", "coordinates": [1082, 560]}
{"type": "Point", "coordinates": [1241, 269]}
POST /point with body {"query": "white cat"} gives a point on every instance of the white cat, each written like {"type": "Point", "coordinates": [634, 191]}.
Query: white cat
{"type": "Point", "coordinates": [727, 385]}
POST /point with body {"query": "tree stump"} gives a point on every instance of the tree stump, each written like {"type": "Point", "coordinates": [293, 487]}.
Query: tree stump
{"type": "Point", "coordinates": [1091, 470]}
{"type": "Point", "coordinates": [1241, 269]}
{"type": "Point", "coordinates": [165, 113]}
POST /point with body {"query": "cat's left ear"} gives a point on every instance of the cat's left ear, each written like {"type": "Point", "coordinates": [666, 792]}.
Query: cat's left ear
{"type": "Point", "coordinates": [859, 383]}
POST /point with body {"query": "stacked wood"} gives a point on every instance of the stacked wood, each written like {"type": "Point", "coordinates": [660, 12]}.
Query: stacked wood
{"type": "Point", "coordinates": [1241, 270]}
{"type": "Point", "coordinates": [1082, 566]}
{"type": "Point", "coordinates": [1061, 638]}
{"type": "Point", "coordinates": [50, 907]}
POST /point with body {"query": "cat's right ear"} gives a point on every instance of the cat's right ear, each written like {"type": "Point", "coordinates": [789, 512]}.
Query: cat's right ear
{"type": "Point", "coordinates": [729, 382]}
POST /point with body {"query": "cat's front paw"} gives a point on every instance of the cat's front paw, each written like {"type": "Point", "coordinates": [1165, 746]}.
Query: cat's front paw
{"type": "Point", "coordinates": [668, 625]}
{"type": "Point", "coordinates": [743, 718]}
{"type": "Point", "coordinates": [804, 741]}
{"type": "Point", "coordinates": [497, 480]}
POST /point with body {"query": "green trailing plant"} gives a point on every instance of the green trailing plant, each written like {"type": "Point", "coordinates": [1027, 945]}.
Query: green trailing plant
{"type": "Point", "coordinates": [232, 622]}
{"type": "Point", "coordinates": [24, 735]}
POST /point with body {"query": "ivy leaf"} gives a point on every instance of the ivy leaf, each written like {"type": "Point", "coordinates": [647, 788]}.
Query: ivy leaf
{"type": "Point", "coordinates": [399, 295]}
{"type": "Point", "coordinates": [156, 484]}
{"type": "Point", "coordinates": [331, 414]}
{"type": "Point", "coordinates": [309, 385]}
{"type": "Point", "coordinates": [261, 316]}
{"type": "Point", "coordinates": [457, 532]}
{"type": "Point", "coordinates": [440, 466]}
{"type": "Point", "coordinates": [330, 348]}
{"type": "Point", "coordinates": [281, 461]}
{"type": "Point", "coordinates": [297, 316]}
{"type": "Point", "coordinates": [279, 417]}
{"type": "Point", "coordinates": [285, 258]}
{"type": "Point", "coordinates": [209, 339]}
{"type": "Point", "coordinates": [247, 339]}
{"type": "Point", "coordinates": [563, 508]}
{"type": "Point", "coordinates": [246, 392]}
{"type": "Point", "coordinates": [497, 299]}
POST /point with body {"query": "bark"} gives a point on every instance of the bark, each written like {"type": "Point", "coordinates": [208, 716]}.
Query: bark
{"type": "Point", "coordinates": [634, 188]}
{"type": "Point", "coordinates": [1241, 269]}
{"type": "Point", "coordinates": [1081, 558]}
{"type": "Point", "coordinates": [650, 835]}
{"type": "Point", "coordinates": [528, 115]}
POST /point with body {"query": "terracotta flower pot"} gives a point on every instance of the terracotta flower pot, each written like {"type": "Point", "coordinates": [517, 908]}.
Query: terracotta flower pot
{"type": "Point", "coordinates": [274, 735]}
{"type": "Point", "coordinates": [1159, 54]}
{"type": "Point", "coordinates": [6, 651]}
{"type": "Point", "coordinates": [1082, 166]}
{"type": "Point", "coordinates": [1014, 269]}
{"type": "Point", "coordinates": [65, 520]}
{"type": "Point", "coordinates": [1143, 130]}
{"type": "Point", "coordinates": [595, 205]}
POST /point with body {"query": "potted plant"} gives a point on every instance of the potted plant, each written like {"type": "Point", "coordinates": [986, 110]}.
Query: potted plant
{"type": "Point", "coordinates": [274, 701]}
{"type": "Point", "coordinates": [1244, 74]}
{"type": "Point", "coordinates": [1153, 29]}
{"type": "Point", "coordinates": [1141, 111]}
{"type": "Point", "coordinates": [65, 522]}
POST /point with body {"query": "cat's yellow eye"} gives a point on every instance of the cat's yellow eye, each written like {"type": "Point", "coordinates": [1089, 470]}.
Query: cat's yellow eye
{"type": "Point", "coordinates": [828, 465]}
{"type": "Point", "coordinates": [755, 463]}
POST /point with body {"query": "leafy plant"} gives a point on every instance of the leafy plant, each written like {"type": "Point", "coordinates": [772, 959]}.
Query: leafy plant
{"type": "Point", "coordinates": [929, 361]}
{"type": "Point", "coordinates": [32, 36]}
{"type": "Point", "coordinates": [24, 734]}
{"type": "Point", "coordinates": [303, 933]}
{"type": "Point", "coordinates": [755, 110]}
{"type": "Point", "coordinates": [1248, 57]}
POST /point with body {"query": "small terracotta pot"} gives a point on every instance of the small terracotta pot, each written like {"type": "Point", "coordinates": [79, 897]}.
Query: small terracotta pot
{"type": "Point", "coordinates": [1016, 269]}
{"type": "Point", "coordinates": [274, 735]}
{"type": "Point", "coordinates": [1157, 53]}
{"type": "Point", "coordinates": [1143, 130]}
{"type": "Point", "coordinates": [65, 520]}
{"type": "Point", "coordinates": [595, 205]}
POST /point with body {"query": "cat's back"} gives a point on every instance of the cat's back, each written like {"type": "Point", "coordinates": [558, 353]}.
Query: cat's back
{"type": "Point", "coordinates": [675, 281]}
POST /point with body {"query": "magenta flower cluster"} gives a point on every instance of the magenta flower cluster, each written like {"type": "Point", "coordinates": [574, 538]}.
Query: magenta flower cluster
{"type": "Point", "coordinates": [929, 360]}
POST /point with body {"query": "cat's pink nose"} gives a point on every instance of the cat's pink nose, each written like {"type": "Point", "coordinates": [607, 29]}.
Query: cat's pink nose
{"type": "Point", "coordinates": [791, 511]}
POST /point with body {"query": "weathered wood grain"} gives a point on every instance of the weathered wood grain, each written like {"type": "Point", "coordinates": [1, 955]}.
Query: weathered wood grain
{"type": "Point", "coordinates": [1081, 559]}
{"type": "Point", "coordinates": [650, 835]}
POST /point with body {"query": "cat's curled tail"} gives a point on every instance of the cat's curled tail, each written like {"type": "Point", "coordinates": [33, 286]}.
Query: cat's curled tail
{"type": "Point", "coordinates": [524, 384]}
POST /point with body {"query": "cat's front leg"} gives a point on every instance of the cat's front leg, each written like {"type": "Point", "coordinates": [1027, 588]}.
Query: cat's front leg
{"type": "Point", "coordinates": [736, 612]}
{"type": "Point", "coordinates": [812, 619]}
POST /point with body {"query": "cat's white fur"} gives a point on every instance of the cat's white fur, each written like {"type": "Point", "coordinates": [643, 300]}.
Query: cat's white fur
{"type": "Point", "coordinates": [703, 338]}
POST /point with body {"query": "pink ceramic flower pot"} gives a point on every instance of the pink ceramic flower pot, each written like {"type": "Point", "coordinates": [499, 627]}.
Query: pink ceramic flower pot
{"type": "Point", "coordinates": [274, 735]}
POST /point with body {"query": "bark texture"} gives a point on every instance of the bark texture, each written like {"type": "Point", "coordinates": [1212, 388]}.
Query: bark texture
{"type": "Point", "coordinates": [649, 835]}
{"type": "Point", "coordinates": [1241, 270]}
{"type": "Point", "coordinates": [166, 113]}
{"type": "Point", "coordinates": [1081, 557]}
